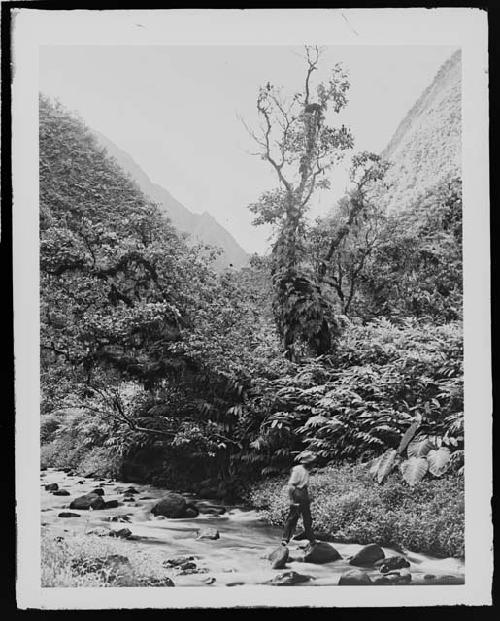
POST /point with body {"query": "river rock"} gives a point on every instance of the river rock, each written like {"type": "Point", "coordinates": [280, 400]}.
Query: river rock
{"type": "Point", "coordinates": [61, 492]}
{"type": "Point", "coordinates": [98, 490]}
{"type": "Point", "coordinates": [279, 557]}
{"type": "Point", "coordinates": [171, 506]}
{"type": "Point", "coordinates": [368, 556]}
{"type": "Point", "coordinates": [129, 499]}
{"type": "Point", "coordinates": [208, 533]}
{"type": "Point", "coordinates": [321, 552]}
{"type": "Point", "coordinates": [110, 504]}
{"type": "Point", "coordinates": [130, 490]}
{"type": "Point", "coordinates": [354, 577]}
{"type": "Point", "coordinates": [122, 533]}
{"type": "Point", "coordinates": [289, 578]}
{"type": "Point", "coordinates": [99, 532]}
{"type": "Point", "coordinates": [392, 578]}
{"type": "Point", "coordinates": [151, 581]}
{"type": "Point", "coordinates": [88, 501]}
{"type": "Point", "coordinates": [178, 561]}
{"type": "Point", "coordinates": [391, 563]}
{"type": "Point", "coordinates": [51, 487]}
{"type": "Point", "coordinates": [68, 514]}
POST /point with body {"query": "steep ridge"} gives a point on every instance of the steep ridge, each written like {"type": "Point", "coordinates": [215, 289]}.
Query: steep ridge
{"type": "Point", "coordinates": [426, 147]}
{"type": "Point", "coordinates": [200, 227]}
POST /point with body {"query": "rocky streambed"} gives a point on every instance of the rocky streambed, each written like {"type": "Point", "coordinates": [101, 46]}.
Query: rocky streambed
{"type": "Point", "coordinates": [221, 546]}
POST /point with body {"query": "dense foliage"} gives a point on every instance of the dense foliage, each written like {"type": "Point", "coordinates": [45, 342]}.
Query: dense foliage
{"type": "Point", "coordinates": [359, 401]}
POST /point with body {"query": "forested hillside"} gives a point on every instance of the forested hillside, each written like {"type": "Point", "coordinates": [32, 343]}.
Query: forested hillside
{"type": "Point", "coordinates": [346, 341]}
{"type": "Point", "coordinates": [427, 145]}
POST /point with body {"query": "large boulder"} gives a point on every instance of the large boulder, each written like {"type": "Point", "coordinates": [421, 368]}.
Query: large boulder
{"type": "Point", "coordinates": [321, 552]}
{"type": "Point", "coordinates": [368, 556]}
{"type": "Point", "coordinates": [289, 578]}
{"type": "Point", "coordinates": [391, 563]}
{"type": "Point", "coordinates": [354, 577]}
{"type": "Point", "coordinates": [98, 490]}
{"type": "Point", "coordinates": [68, 514]}
{"type": "Point", "coordinates": [110, 504]}
{"type": "Point", "coordinates": [51, 487]}
{"type": "Point", "coordinates": [279, 557]}
{"type": "Point", "coordinates": [88, 501]}
{"type": "Point", "coordinates": [171, 506]}
{"type": "Point", "coordinates": [61, 492]}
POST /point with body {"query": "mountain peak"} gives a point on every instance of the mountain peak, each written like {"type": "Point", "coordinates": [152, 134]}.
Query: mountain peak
{"type": "Point", "coordinates": [200, 227]}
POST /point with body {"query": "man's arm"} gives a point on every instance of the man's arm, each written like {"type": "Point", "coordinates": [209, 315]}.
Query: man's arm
{"type": "Point", "coordinates": [291, 487]}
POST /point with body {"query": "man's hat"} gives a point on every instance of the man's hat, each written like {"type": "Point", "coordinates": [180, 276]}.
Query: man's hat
{"type": "Point", "coordinates": [306, 457]}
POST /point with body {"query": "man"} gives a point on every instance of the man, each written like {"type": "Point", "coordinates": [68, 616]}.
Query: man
{"type": "Point", "coordinates": [299, 499]}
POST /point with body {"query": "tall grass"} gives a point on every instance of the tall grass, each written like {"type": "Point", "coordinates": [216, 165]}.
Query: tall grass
{"type": "Point", "coordinates": [89, 560]}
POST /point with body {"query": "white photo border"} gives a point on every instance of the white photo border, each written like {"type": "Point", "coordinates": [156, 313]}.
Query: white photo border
{"type": "Point", "coordinates": [464, 28]}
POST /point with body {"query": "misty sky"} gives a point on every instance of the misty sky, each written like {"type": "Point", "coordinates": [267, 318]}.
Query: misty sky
{"type": "Point", "coordinates": [175, 110]}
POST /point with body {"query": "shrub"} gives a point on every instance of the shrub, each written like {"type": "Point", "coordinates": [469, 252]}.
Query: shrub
{"type": "Point", "coordinates": [49, 424]}
{"type": "Point", "coordinates": [99, 461]}
{"type": "Point", "coordinates": [348, 506]}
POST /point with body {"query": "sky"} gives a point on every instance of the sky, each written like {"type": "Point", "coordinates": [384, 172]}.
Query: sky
{"type": "Point", "coordinates": [177, 111]}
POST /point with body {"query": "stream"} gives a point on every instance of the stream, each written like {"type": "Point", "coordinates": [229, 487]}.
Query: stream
{"type": "Point", "coordinates": [239, 556]}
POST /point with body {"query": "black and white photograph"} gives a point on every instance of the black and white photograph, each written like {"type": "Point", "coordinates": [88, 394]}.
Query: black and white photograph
{"type": "Point", "coordinates": [251, 288]}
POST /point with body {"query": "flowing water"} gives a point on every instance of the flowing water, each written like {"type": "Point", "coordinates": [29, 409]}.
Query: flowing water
{"type": "Point", "coordinates": [239, 556]}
